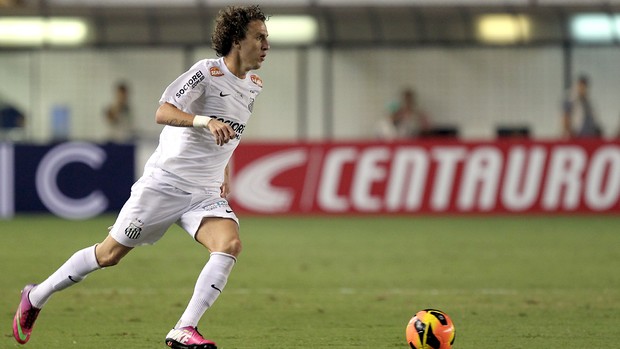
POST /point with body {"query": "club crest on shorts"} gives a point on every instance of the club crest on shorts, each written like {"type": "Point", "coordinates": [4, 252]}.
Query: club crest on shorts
{"type": "Point", "coordinates": [133, 230]}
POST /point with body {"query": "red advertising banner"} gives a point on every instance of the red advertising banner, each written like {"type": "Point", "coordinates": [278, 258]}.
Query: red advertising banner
{"type": "Point", "coordinates": [427, 177]}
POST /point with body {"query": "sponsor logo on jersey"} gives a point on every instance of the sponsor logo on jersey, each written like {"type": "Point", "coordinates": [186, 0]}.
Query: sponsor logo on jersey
{"type": "Point", "coordinates": [191, 83]}
{"type": "Point", "coordinates": [215, 71]}
{"type": "Point", "coordinates": [257, 80]}
{"type": "Point", "coordinates": [251, 105]}
{"type": "Point", "coordinates": [236, 126]}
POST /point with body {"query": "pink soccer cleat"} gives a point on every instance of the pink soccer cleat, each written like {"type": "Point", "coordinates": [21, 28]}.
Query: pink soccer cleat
{"type": "Point", "coordinates": [24, 319]}
{"type": "Point", "coordinates": [188, 338]}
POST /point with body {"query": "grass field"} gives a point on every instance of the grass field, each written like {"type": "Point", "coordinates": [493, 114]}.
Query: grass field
{"type": "Point", "coordinates": [507, 282]}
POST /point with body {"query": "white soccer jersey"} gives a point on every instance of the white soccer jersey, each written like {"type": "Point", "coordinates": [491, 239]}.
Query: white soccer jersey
{"type": "Point", "coordinates": [189, 157]}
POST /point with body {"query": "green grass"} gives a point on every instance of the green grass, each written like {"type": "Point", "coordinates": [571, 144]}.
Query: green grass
{"type": "Point", "coordinates": [507, 282]}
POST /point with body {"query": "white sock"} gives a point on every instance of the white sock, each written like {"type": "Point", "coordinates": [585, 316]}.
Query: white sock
{"type": "Point", "coordinates": [73, 271]}
{"type": "Point", "coordinates": [209, 285]}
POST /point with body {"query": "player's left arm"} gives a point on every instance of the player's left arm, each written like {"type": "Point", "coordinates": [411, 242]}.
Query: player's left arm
{"type": "Point", "coordinates": [225, 187]}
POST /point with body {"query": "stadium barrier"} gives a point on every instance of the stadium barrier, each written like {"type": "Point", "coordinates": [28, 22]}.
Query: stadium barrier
{"type": "Point", "coordinates": [78, 180]}
{"type": "Point", "coordinates": [428, 177]}
{"type": "Point", "coordinates": [73, 180]}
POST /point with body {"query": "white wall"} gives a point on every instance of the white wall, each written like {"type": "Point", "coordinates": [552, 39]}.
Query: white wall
{"type": "Point", "coordinates": [87, 85]}
{"type": "Point", "coordinates": [16, 80]}
{"type": "Point", "coordinates": [83, 81]}
{"type": "Point", "coordinates": [473, 88]}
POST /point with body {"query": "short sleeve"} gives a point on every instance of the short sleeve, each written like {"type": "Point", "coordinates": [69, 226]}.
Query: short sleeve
{"type": "Point", "coordinates": [188, 87]}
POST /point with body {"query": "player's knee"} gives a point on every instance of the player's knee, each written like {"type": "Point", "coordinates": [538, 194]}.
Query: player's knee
{"type": "Point", "coordinates": [235, 247]}
{"type": "Point", "coordinates": [232, 247]}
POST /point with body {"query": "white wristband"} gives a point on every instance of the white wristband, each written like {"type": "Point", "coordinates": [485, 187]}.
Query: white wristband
{"type": "Point", "coordinates": [201, 121]}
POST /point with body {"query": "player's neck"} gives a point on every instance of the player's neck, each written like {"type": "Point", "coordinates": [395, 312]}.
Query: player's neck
{"type": "Point", "coordinates": [233, 63]}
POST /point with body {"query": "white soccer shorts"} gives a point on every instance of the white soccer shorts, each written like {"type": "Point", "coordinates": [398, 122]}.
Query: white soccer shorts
{"type": "Point", "coordinates": [154, 206]}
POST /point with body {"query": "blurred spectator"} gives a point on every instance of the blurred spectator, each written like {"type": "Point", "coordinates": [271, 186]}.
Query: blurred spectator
{"type": "Point", "coordinates": [405, 119]}
{"type": "Point", "coordinates": [579, 118]}
{"type": "Point", "coordinates": [389, 128]}
{"type": "Point", "coordinates": [119, 117]}
{"type": "Point", "coordinates": [12, 122]}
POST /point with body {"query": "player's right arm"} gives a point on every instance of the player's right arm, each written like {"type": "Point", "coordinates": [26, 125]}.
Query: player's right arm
{"type": "Point", "coordinates": [168, 114]}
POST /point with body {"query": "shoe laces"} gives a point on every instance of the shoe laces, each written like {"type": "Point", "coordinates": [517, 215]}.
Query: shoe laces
{"type": "Point", "coordinates": [31, 315]}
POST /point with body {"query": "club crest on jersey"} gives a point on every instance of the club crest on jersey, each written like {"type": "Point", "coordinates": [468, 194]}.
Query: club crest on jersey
{"type": "Point", "coordinates": [215, 71]}
{"type": "Point", "coordinates": [257, 80]}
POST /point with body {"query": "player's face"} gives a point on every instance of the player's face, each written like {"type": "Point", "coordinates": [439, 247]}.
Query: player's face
{"type": "Point", "coordinates": [253, 49]}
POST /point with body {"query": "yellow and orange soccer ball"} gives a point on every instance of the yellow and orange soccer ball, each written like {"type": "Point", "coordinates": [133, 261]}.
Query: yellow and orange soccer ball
{"type": "Point", "coordinates": [430, 329]}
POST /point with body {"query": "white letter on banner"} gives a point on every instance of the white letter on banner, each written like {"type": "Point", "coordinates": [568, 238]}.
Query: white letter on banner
{"type": "Point", "coordinates": [480, 175]}
{"type": "Point", "coordinates": [445, 175]}
{"type": "Point", "coordinates": [600, 194]}
{"type": "Point", "coordinates": [367, 172]}
{"type": "Point", "coordinates": [7, 180]}
{"type": "Point", "coordinates": [48, 190]}
{"type": "Point", "coordinates": [407, 179]}
{"type": "Point", "coordinates": [253, 183]}
{"type": "Point", "coordinates": [523, 176]}
{"type": "Point", "coordinates": [330, 179]}
{"type": "Point", "coordinates": [566, 166]}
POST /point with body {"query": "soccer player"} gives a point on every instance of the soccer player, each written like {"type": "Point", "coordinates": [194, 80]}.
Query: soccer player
{"type": "Point", "coordinates": [186, 180]}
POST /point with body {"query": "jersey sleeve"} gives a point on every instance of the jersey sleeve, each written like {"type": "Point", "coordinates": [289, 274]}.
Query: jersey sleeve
{"type": "Point", "coordinates": [187, 87]}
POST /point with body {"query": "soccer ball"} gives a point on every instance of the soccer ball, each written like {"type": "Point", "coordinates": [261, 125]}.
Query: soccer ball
{"type": "Point", "coordinates": [430, 329]}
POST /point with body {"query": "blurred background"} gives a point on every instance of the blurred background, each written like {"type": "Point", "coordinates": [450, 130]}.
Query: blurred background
{"type": "Point", "coordinates": [476, 70]}
{"type": "Point", "coordinates": [334, 66]}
